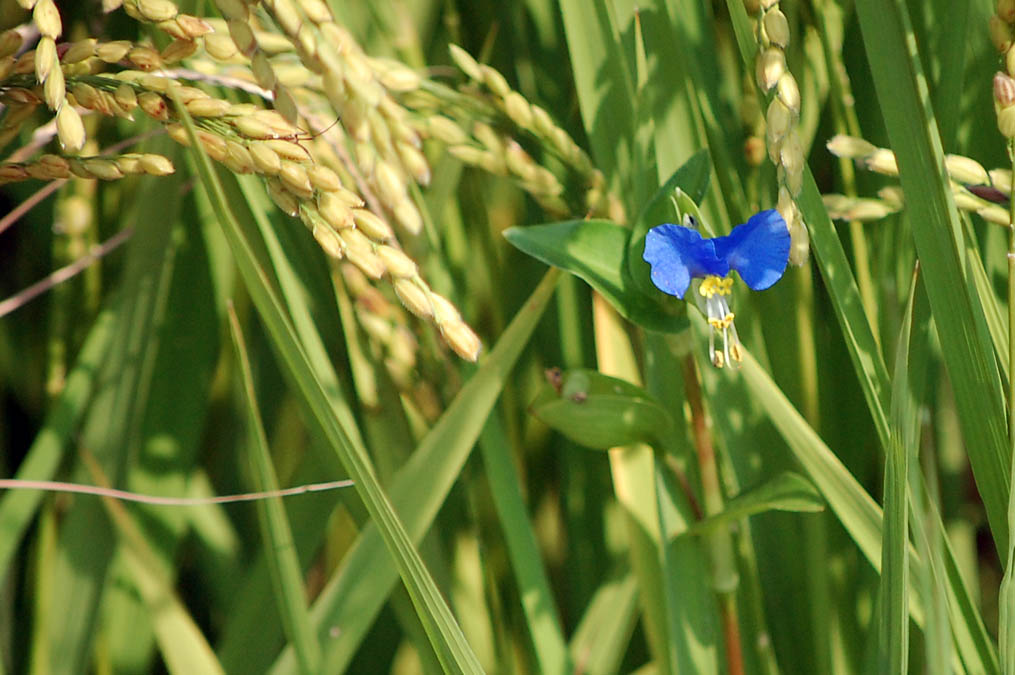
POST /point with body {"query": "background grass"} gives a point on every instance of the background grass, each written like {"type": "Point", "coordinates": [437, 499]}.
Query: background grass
{"type": "Point", "coordinates": [219, 351]}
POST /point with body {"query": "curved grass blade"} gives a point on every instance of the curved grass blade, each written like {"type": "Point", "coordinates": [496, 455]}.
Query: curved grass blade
{"type": "Point", "coordinates": [286, 571]}
{"type": "Point", "coordinates": [357, 591]}
{"type": "Point", "coordinates": [965, 344]}
{"type": "Point", "coordinates": [444, 633]}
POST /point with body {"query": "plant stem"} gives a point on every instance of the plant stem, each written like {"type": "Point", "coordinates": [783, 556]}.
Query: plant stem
{"type": "Point", "coordinates": [720, 543]}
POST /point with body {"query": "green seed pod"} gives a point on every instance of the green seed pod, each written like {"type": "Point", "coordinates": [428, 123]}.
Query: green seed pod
{"type": "Point", "coordinates": [237, 158]}
{"type": "Point", "coordinates": [79, 51]}
{"type": "Point", "coordinates": [220, 47]}
{"type": "Point", "coordinates": [462, 339]}
{"type": "Point", "coordinates": [266, 160]}
{"type": "Point", "coordinates": [769, 67]}
{"type": "Point", "coordinates": [54, 91]}
{"type": "Point", "coordinates": [102, 169]}
{"type": "Point", "coordinates": [399, 265]}
{"type": "Point", "coordinates": [295, 179]}
{"type": "Point", "coordinates": [113, 52]}
{"type": "Point", "coordinates": [966, 170]}
{"type": "Point", "coordinates": [145, 58]}
{"type": "Point", "coordinates": [1001, 179]}
{"type": "Point", "coordinates": [328, 241]}
{"type": "Point", "coordinates": [494, 81]}
{"type": "Point", "coordinates": [995, 214]}
{"type": "Point", "coordinates": [69, 129]}
{"type": "Point", "coordinates": [414, 295]}
{"type": "Point", "coordinates": [850, 147]}
{"type": "Point", "coordinates": [1006, 122]}
{"type": "Point", "coordinates": [10, 42]}
{"type": "Point", "coordinates": [154, 105]}
{"type": "Point", "coordinates": [282, 198]}
{"type": "Point", "coordinates": [45, 58]}
{"type": "Point", "coordinates": [465, 62]}
{"type": "Point", "coordinates": [518, 109]}
{"type": "Point", "coordinates": [243, 36]}
{"type": "Point", "coordinates": [157, 10]}
{"type": "Point", "coordinates": [1000, 33]}
{"type": "Point", "coordinates": [372, 226]}
{"type": "Point", "coordinates": [883, 161]}
{"type": "Point", "coordinates": [776, 28]}
{"type": "Point", "coordinates": [207, 107]}
{"type": "Point", "coordinates": [156, 165]}
{"type": "Point", "coordinates": [1006, 10]}
{"type": "Point", "coordinates": [192, 26]}
{"type": "Point", "coordinates": [177, 50]}
{"type": "Point", "coordinates": [359, 251]}
{"type": "Point", "coordinates": [788, 92]}
{"type": "Point", "coordinates": [323, 178]}
{"type": "Point", "coordinates": [47, 19]}
{"type": "Point", "coordinates": [407, 216]}
{"type": "Point", "coordinates": [334, 211]}
{"type": "Point", "coordinates": [263, 73]}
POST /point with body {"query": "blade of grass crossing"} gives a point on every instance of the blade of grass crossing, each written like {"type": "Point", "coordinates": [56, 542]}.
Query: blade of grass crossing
{"type": "Point", "coordinates": [355, 593]}
{"type": "Point", "coordinates": [18, 507]}
{"type": "Point", "coordinates": [444, 632]}
{"type": "Point", "coordinates": [286, 571]}
{"type": "Point", "coordinates": [894, 624]}
{"type": "Point", "coordinates": [902, 93]}
{"type": "Point", "coordinates": [526, 562]}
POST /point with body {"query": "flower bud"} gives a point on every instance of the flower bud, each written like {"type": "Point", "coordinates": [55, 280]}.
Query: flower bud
{"type": "Point", "coordinates": [407, 216]}
{"type": "Point", "coordinates": [788, 92]}
{"type": "Point", "coordinates": [359, 251]}
{"type": "Point", "coordinates": [102, 169]}
{"type": "Point", "coordinates": [266, 161]}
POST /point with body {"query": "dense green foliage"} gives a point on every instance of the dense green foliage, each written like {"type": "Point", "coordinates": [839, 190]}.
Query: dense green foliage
{"type": "Point", "coordinates": [592, 494]}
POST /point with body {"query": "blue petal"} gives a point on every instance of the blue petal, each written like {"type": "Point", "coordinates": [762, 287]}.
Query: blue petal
{"type": "Point", "coordinates": [758, 249]}
{"type": "Point", "coordinates": [678, 254]}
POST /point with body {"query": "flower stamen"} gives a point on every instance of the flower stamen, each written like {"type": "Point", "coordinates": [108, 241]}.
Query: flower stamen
{"type": "Point", "coordinates": [715, 290]}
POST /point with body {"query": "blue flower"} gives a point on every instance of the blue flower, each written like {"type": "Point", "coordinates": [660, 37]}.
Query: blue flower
{"type": "Point", "coordinates": [758, 250]}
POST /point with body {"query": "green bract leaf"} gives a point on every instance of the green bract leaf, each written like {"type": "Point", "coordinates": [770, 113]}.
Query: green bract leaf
{"type": "Point", "coordinates": [691, 181]}
{"type": "Point", "coordinates": [595, 251]}
{"type": "Point", "coordinates": [599, 411]}
{"type": "Point", "coordinates": [786, 492]}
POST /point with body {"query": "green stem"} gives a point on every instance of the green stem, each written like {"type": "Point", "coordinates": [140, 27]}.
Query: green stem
{"type": "Point", "coordinates": [1006, 594]}
{"type": "Point", "coordinates": [720, 543]}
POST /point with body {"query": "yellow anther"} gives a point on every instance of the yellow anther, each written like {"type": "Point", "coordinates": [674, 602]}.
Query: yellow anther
{"type": "Point", "coordinates": [735, 353]}
{"type": "Point", "coordinates": [718, 360]}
